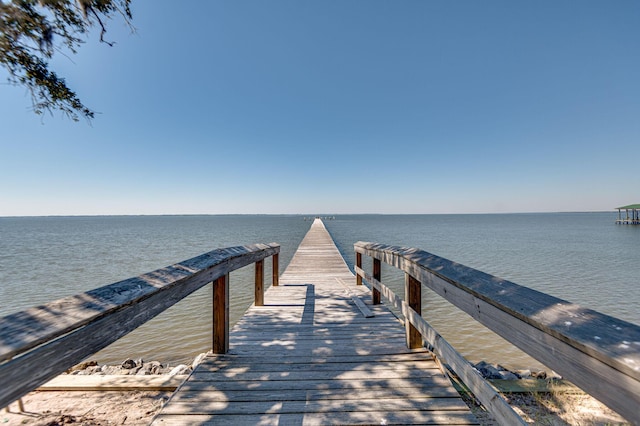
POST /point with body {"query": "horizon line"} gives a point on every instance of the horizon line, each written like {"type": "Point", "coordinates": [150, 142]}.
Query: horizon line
{"type": "Point", "coordinates": [297, 214]}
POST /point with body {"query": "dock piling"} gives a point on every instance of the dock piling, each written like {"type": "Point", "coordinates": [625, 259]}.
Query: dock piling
{"type": "Point", "coordinates": [221, 315]}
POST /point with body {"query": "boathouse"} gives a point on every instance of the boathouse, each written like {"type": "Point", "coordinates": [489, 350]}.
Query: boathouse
{"type": "Point", "coordinates": [632, 216]}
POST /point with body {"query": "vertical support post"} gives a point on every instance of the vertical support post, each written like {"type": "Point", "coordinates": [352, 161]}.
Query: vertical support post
{"type": "Point", "coordinates": [375, 293]}
{"type": "Point", "coordinates": [221, 315]}
{"type": "Point", "coordinates": [359, 265]}
{"type": "Point", "coordinates": [275, 273]}
{"type": "Point", "coordinates": [259, 299]}
{"type": "Point", "coordinates": [413, 296]}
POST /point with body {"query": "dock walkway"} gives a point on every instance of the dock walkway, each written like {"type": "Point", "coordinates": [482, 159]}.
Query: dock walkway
{"type": "Point", "coordinates": [314, 354]}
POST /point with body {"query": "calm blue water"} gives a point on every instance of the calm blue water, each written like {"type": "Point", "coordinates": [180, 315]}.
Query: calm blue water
{"type": "Point", "coordinates": [581, 257]}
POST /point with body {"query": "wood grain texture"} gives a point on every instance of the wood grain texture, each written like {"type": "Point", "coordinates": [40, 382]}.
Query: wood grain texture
{"type": "Point", "coordinates": [220, 338]}
{"type": "Point", "coordinates": [275, 270]}
{"type": "Point", "coordinates": [69, 382]}
{"type": "Point", "coordinates": [413, 297]}
{"type": "Point", "coordinates": [259, 283]}
{"type": "Point", "coordinates": [597, 352]}
{"type": "Point", "coordinates": [310, 356]}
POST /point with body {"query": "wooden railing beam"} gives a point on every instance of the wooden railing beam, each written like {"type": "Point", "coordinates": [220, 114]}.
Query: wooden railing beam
{"type": "Point", "coordinates": [359, 265]}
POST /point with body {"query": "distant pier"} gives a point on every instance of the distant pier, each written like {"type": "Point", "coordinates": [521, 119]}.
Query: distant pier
{"type": "Point", "coordinates": [632, 216]}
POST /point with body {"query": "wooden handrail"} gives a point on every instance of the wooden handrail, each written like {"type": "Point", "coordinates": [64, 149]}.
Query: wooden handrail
{"type": "Point", "coordinates": [597, 352]}
{"type": "Point", "coordinates": [41, 342]}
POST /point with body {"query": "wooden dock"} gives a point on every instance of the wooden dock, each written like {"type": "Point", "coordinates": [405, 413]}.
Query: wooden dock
{"type": "Point", "coordinates": [317, 352]}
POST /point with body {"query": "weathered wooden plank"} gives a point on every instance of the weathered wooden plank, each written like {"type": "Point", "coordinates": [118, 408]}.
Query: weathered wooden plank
{"type": "Point", "coordinates": [247, 333]}
{"type": "Point", "coordinates": [319, 372]}
{"type": "Point", "coordinates": [435, 382]}
{"type": "Point", "coordinates": [249, 360]}
{"type": "Point", "coordinates": [364, 309]}
{"type": "Point", "coordinates": [292, 358]}
{"type": "Point", "coordinates": [289, 375]}
{"type": "Point", "coordinates": [193, 392]}
{"type": "Point", "coordinates": [318, 419]}
{"type": "Point", "coordinates": [69, 382]}
{"type": "Point", "coordinates": [353, 366]}
{"type": "Point", "coordinates": [322, 351]}
{"type": "Point", "coordinates": [408, 356]}
{"type": "Point", "coordinates": [228, 407]}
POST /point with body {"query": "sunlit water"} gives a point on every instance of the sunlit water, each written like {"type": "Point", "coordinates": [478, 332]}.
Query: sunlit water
{"type": "Point", "coordinates": [580, 257]}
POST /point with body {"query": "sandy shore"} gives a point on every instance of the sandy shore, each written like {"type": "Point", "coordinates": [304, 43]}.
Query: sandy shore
{"type": "Point", "coordinates": [51, 408]}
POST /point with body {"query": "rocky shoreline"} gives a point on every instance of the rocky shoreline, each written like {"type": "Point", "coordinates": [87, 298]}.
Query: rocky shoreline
{"type": "Point", "coordinates": [498, 372]}
{"type": "Point", "coordinates": [137, 367]}
{"type": "Point", "coordinates": [140, 367]}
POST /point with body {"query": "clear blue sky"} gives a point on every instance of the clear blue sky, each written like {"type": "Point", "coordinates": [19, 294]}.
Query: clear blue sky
{"type": "Point", "coordinates": [339, 107]}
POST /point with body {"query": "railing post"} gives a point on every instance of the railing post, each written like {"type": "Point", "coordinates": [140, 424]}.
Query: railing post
{"type": "Point", "coordinates": [259, 299]}
{"type": "Point", "coordinates": [275, 273]}
{"type": "Point", "coordinates": [375, 294]}
{"type": "Point", "coordinates": [221, 315]}
{"type": "Point", "coordinates": [359, 265]}
{"type": "Point", "coordinates": [413, 296]}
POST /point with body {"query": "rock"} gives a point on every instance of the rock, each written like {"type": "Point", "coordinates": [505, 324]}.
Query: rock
{"type": "Point", "coordinates": [554, 376]}
{"type": "Point", "coordinates": [499, 372]}
{"type": "Point", "coordinates": [85, 365]}
{"type": "Point", "coordinates": [507, 375]}
{"type": "Point", "coordinates": [111, 370]}
{"type": "Point", "coordinates": [82, 366]}
{"type": "Point", "coordinates": [523, 374]}
{"type": "Point", "coordinates": [487, 370]}
{"type": "Point", "coordinates": [198, 360]}
{"type": "Point", "coordinates": [155, 367]}
{"type": "Point", "coordinates": [539, 375]}
{"type": "Point", "coordinates": [129, 364]}
{"type": "Point", "coordinates": [180, 369]}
